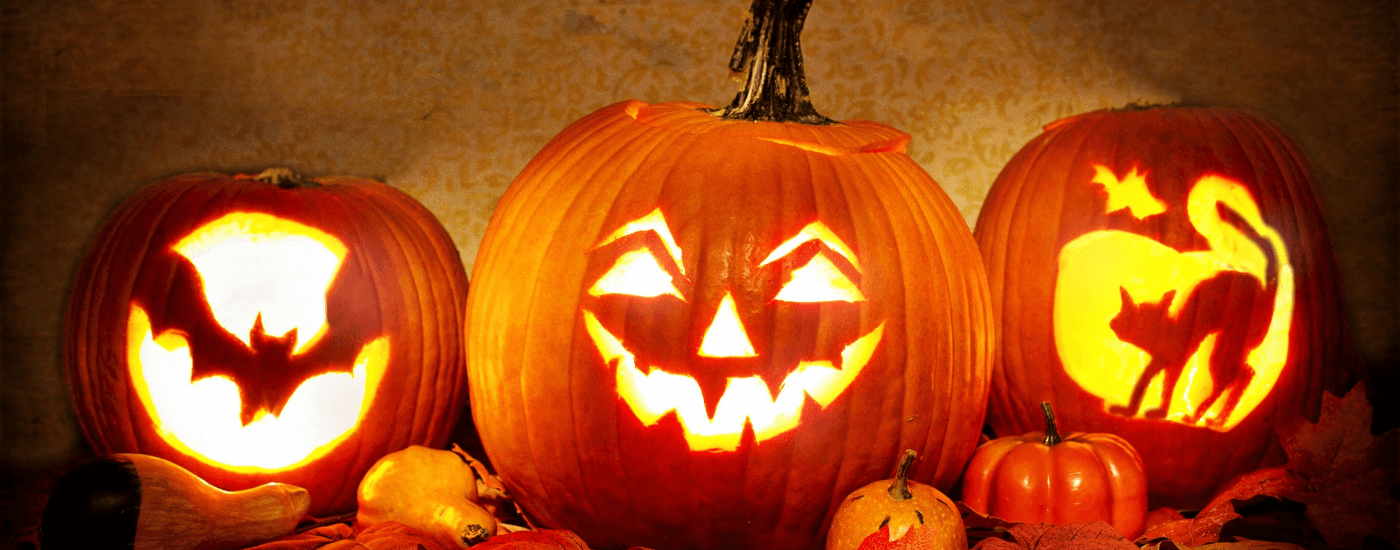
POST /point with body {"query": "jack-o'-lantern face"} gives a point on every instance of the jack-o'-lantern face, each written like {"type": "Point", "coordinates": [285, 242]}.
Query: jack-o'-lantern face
{"type": "Point", "coordinates": [1197, 337]}
{"type": "Point", "coordinates": [725, 376]}
{"type": "Point", "coordinates": [240, 373]}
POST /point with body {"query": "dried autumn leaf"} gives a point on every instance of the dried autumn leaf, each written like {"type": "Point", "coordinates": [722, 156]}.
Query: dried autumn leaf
{"type": "Point", "coordinates": [1238, 545]}
{"type": "Point", "coordinates": [1205, 528]}
{"type": "Point", "coordinates": [392, 535]}
{"type": "Point", "coordinates": [317, 538]}
{"type": "Point", "coordinates": [1163, 516]}
{"type": "Point", "coordinates": [1352, 472]}
{"type": "Point", "coordinates": [387, 535]}
{"type": "Point", "coordinates": [916, 538]}
{"type": "Point", "coordinates": [542, 539]}
{"type": "Point", "coordinates": [1091, 535]}
{"type": "Point", "coordinates": [981, 526]}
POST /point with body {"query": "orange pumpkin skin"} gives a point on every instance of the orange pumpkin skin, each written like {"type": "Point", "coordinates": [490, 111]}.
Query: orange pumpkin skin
{"type": "Point", "coordinates": [400, 281]}
{"type": "Point", "coordinates": [546, 403]}
{"type": "Point", "coordinates": [1095, 212]}
{"type": "Point", "coordinates": [1083, 477]}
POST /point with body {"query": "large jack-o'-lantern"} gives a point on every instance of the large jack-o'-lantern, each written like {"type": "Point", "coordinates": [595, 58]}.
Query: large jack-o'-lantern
{"type": "Point", "coordinates": [1168, 271]}
{"type": "Point", "coordinates": [690, 331]}
{"type": "Point", "coordinates": [271, 328]}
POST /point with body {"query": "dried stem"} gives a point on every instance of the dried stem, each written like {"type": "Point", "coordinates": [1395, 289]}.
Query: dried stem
{"type": "Point", "coordinates": [770, 51]}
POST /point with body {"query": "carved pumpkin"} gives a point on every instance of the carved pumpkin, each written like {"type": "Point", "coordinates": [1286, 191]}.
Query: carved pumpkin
{"type": "Point", "coordinates": [1040, 477]}
{"type": "Point", "coordinates": [688, 331]}
{"type": "Point", "coordinates": [1165, 275]}
{"type": "Point", "coordinates": [265, 329]}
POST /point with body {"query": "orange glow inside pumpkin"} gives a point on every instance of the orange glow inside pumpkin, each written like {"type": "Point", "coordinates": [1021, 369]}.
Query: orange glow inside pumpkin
{"type": "Point", "coordinates": [1130, 192]}
{"type": "Point", "coordinates": [726, 336]}
{"type": "Point", "coordinates": [253, 265]}
{"type": "Point", "coordinates": [636, 273]}
{"type": "Point", "coordinates": [655, 393]}
{"type": "Point", "coordinates": [1095, 266]}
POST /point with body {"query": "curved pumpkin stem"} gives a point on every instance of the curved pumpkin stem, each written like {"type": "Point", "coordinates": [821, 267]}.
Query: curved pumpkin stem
{"type": "Point", "coordinates": [899, 490]}
{"type": "Point", "coordinates": [285, 178]}
{"type": "Point", "coordinates": [1052, 434]}
{"type": "Point", "coordinates": [770, 51]}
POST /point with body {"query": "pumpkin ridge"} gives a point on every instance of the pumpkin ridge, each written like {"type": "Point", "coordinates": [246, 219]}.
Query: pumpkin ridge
{"type": "Point", "coordinates": [645, 147]}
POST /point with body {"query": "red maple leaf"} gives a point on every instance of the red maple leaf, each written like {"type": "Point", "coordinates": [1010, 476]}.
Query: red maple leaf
{"type": "Point", "coordinates": [916, 538]}
{"type": "Point", "coordinates": [1352, 472]}
{"type": "Point", "coordinates": [1092, 535]}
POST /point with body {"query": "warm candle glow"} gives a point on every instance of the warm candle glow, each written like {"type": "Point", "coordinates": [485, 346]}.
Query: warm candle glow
{"type": "Point", "coordinates": [653, 395]}
{"type": "Point", "coordinates": [255, 264]}
{"type": "Point", "coordinates": [201, 417]}
{"type": "Point", "coordinates": [1113, 283]}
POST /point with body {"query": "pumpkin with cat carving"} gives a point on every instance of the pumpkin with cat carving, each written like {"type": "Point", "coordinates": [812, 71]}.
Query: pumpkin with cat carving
{"type": "Point", "coordinates": [1164, 274]}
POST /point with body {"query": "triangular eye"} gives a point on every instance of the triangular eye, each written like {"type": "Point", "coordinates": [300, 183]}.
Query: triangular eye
{"type": "Point", "coordinates": [819, 281]}
{"type": "Point", "coordinates": [636, 273]}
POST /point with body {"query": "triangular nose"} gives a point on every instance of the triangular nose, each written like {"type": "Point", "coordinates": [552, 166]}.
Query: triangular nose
{"type": "Point", "coordinates": [726, 336]}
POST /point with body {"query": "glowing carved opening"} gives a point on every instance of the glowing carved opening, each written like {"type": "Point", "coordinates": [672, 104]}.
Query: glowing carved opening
{"type": "Point", "coordinates": [255, 264]}
{"type": "Point", "coordinates": [656, 223]}
{"type": "Point", "coordinates": [1131, 192]}
{"type": "Point", "coordinates": [815, 231]}
{"type": "Point", "coordinates": [746, 400]}
{"type": "Point", "coordinates": [636, 273]}
{"type": "Point", "coordinates": [201, 417]}
{"type": "Point", "coordinates": [726, 336]}
{"type": "Point", "coordinates": [654, 395]}
{"type": "Point", "coordinates": [819, 281]}
{"type": "Point", "coordinates": [1095, 266]}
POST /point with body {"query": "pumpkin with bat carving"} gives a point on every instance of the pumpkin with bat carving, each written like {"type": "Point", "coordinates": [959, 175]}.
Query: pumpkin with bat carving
{"type": "Point", "coordinates": [269, 328]}
{"type": "Point", "coordinates": [1164, 274]}
{"type": "Point", "coordinates": [689, 330]}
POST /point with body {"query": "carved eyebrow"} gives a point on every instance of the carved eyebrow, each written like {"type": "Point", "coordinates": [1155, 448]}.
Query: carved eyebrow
{"type": "Point", "coordinates": [654, 222]}
{"type": "Point", "coordinates": [815, 231]}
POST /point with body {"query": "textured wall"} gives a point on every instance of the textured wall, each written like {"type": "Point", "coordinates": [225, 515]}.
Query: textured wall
{"type": "Point", "coordinates": [449, 100]}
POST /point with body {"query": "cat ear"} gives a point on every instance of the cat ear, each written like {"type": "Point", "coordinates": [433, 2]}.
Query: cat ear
{"type": "Point", "coordinates": [1127, 300]}
{"type": "Point", "coordinates": [1167, 298]}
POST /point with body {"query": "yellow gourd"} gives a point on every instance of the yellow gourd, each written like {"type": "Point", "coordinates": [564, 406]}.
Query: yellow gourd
{"type": "Point", "coordinates": [147, 503]}
{"type": "Point", "coordinates": [433, 491]}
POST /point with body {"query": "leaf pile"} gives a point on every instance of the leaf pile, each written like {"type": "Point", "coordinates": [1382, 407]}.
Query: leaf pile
{"type": "Point", "coordinates": [1334, 492]}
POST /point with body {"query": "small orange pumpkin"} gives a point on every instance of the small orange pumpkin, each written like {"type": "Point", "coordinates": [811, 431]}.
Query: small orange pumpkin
{"type": "Point", "coordinates": [895, 509]}
{"type": "Point", "coordinates": [1042, 478]}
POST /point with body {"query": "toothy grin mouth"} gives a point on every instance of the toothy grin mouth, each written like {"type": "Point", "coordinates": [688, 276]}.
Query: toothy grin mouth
{"type": "Point", "coordinates": [653, 395]}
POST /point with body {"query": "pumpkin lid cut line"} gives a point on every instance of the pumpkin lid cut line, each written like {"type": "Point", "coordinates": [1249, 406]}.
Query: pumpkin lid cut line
{"type": "Point", "coordinates": [851, 137]}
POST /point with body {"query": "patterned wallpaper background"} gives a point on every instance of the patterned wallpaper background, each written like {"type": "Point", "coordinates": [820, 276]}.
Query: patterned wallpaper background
{"type": "Point", "coordinates": [449, 100]}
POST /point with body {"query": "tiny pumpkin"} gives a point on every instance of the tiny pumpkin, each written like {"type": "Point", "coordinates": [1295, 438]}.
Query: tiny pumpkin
{"type": "Point", "coordinates": [1043, 478]}
{"type": "Point", "coordinates": [896, 506]}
